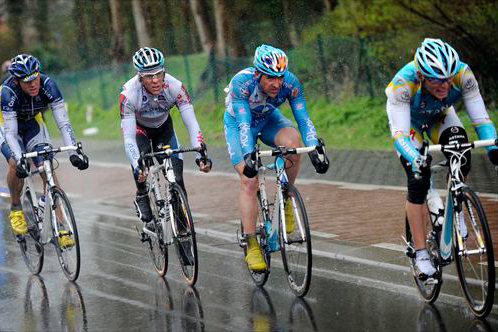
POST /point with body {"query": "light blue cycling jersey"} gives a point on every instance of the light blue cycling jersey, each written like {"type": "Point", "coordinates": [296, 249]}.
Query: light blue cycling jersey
{"type": "Point", "coordinates": [411, 106]}
{"type": "Point", "coordinates": [249, 105]}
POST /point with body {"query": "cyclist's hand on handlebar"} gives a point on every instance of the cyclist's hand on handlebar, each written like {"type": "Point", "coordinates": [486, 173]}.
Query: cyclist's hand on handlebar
{"type": "Point", "coordinates": [319, 158]}
{"type": "Point", "coordinates": [493, 156]}
{"type": "Point", "coordinates": [139, 174]}
{"type": "Point", "coordinates": [79, 163]}
{"type": "Point", "coordinates": [250, 169]}
{"type": "Point", "coordinates": [205, 164]}
{"type": "Point", "coordinates": [421, 165]}
{"type": "Point", "coordinates": [21, 171]}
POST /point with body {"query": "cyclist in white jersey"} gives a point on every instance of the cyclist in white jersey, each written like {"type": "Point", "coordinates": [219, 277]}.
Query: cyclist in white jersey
{"type": "Point", "coordinates": [145, 104]}
{"type": "Point", "coordinates": [421, 95]}
{"type": "Point", "coordinates": [252, 101]}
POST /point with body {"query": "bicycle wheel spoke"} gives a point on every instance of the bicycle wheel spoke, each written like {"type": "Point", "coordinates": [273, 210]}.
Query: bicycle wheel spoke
{"type": "Point", "coordinates": [475, 259]}
{"type": "Point", "coordinates": [296, 250]}
{"type": "Point", "coordinates": [65, 238]}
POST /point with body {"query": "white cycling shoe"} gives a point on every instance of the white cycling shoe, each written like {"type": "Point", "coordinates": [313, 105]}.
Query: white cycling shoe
{"type": "Point", "coordinates": [423, 264]}
{"type": "Point", "coordinates": [436, 207]}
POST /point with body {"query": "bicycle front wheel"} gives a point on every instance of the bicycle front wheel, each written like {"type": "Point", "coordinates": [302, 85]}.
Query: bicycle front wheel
{"type": "Point", "coordinates": [429, 289]}
{"type": "Point", "coordinates": [156, 244]}
{"type": "Point", "coordinates": [296, 251]}
{"type": "Point", "coordinates": [31, 248]}
{"type": "Point", "coordinates": [475, 259]}
{"type": "Point", "coordinates": [185, 243]}
{"type": "Point", "coordinates": [65, 234]}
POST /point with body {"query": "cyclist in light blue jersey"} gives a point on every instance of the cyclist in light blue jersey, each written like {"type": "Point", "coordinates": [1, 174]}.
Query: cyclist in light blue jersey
{"type": "Point", "coordinates": [422, 94]}
{"type": "Point", "coordinates": [252, 101]}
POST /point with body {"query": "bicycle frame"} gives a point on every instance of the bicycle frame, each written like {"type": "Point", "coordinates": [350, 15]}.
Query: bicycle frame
{"type": "Point", "coordinates": [170, 231]}
{"type": "Point", "coordinates": [169, 228]}
{"type": "Point", "coordinates": [454, 189]}
{"type": "Point", "coordinates": [278, 166]}
{"type": "Point", "coordinates": [46, 168]}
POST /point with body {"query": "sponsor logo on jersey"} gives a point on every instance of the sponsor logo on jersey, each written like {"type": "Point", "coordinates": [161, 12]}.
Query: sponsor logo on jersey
{"type": "Point", "coordinates": [245, 130]}
{"type": "Point", "coordinates": [165, 85]}
{"type": "Point", "coordinates": [454, 130]}
{"type": "Point", "coordinates": [295, 92]}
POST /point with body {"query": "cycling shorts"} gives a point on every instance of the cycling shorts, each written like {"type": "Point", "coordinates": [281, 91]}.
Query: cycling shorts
{"type": "Point", "coordinates": [268, 126]}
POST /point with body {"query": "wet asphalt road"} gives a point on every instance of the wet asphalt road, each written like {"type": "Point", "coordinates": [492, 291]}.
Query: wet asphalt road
{"type": "Point", "coordinates": [119, 290]}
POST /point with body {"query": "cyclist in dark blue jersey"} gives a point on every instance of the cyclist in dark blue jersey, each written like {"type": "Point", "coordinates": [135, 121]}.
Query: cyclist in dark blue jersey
{"type": "Point", "coordinates": [252, 101]}
{"type": "Point", "coordinates": [24, 96]}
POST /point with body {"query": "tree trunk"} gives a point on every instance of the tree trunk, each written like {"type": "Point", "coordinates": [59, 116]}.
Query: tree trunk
{"type": "Point", "coordinates": [220, 18]}
{"type": "Point", "coordinates": [139, 18]}
{"type": "Point", "coordinates": [41, 22]}
{"type": "Point", "coordinates": [117, 50]}
{"type": "Point", "coordinates": [289, 24]}
{"type": "Point", "coordinates": [202, 23]}
{"type": "Point", "coordinates": [15, 21]}
{"type": "Point", "coordinates": [81, 32]}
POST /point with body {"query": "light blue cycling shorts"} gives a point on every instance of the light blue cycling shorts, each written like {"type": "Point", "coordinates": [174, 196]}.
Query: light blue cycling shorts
{"type": "Point", "coordinates": [267, 125]}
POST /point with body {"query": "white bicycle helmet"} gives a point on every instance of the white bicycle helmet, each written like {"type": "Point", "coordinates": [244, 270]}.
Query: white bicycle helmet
{"type": "Point", "coordinates": [436, 59]}
{"type": "Point", "coordinates": [147, 59]}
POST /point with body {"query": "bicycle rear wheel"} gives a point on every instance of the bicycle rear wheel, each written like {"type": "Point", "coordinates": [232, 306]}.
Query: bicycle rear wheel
{"type": "Point", "coordinates": [65, 234]}
{"type": "Point", "coordinates": [31, 248]}
{"type": "Point", "coordinates": [185, 243]}
{"type": "Point", "coordinates": [475, 260]}
{"type": "Point", "coordinates": [429, 289]}
{"type": "Point", "coordinates": [296, 251]}
{"type": "Point", "coordinates": [158, 248]}
{"type": "Point", "coordinates": [260, 277]}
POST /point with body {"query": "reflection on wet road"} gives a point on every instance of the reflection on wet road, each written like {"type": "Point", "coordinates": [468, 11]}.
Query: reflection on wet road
{"type": "Point", "coordinates": [118, 289]}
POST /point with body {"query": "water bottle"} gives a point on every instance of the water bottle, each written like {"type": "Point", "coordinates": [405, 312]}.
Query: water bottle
{"type": "Point", "coordinates": [41, 210]}
{"type": "Point", "coordinates": [272, 238]}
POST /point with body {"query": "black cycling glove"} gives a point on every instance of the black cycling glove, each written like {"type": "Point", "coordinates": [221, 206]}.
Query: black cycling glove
{"type": "Point", "coordinates": [250, 165]}
{"type": "Point", "coordinates": [321, 166]}
{"type": "Point", "coordinates": [21, 171]}
{"type": "Point", "coordinates": [77, 162]}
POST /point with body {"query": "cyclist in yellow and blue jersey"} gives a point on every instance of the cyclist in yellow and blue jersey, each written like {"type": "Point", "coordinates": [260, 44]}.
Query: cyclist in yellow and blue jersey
{"type": "Point", "coordinates": [422, 95]}
{"type": "Point", "coordinates": [252, 101]}
{"type": "Point", "coordinates": [24, 95]}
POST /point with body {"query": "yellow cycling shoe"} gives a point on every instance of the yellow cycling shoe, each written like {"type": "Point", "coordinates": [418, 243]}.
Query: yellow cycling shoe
{"type": "Point", "coordinates": [290, 220]}
{"type": "Point", "coordinates": [254, 259]}
{"type": "Point", "coordinates": [65, 239]}
{"type": "Point", "coordinates": [18, 222]}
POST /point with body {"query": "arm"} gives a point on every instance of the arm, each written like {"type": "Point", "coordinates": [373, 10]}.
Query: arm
{"type": "Point", "coordinates": [10, 121]}
{"type": "Point", "coordinates": [62, 120]}
{"type": "Point", "coordinates": [298, 106]}
{"type": "Point", "coordinates": [476, 110]}
{"type": "Point", "coordinates": [188, 116]}
{"type": "Point", "coordinates": [129, 128]}
{"type": "Point", "coordinates": [398, 112]}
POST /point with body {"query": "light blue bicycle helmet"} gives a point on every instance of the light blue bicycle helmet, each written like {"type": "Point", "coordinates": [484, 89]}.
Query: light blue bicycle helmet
{"type": "Point", "coordinates": [147, 59]}
{"type": "Point", "coordinates": [25, 67]}
{"type": "Point", "coordinates": [270, 60]}
{"type": "Point", "coordinates": [436, 59]}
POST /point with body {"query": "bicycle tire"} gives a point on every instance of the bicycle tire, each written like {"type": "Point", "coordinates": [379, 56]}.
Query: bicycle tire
{"type": "Point", "coordinates": [260, 277]}
{"type": "Point", "coordinates": [428, 290]}
{"type": "Point", "coordinates": [69, 257]}
{"type": "Point", "coordinates": [478, 292]}
{"type": "Point", "coordinates": [296, 253]}
{"type": "Point", "coordinates": [31, 248]}
{"type": "Point", "coordinates": [158, 249]}
{"type": "Point", "coordinates": [185, 241]}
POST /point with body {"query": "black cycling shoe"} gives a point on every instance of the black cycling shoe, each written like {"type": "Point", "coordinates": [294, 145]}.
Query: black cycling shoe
{"type": "Point", "coordinates": [185, 252]}
{"type": "Point", "coordinates": [142, 207]}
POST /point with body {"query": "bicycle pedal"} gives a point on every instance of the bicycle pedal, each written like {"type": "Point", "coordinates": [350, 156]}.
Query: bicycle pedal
{"type": "Point", "coordinates": [241, 239]}
{"type": "Point", "coordinates": [410, 253]}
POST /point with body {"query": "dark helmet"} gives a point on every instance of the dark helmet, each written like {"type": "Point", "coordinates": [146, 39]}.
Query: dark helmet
{"type": "Point", "coordinates": [25, 67]}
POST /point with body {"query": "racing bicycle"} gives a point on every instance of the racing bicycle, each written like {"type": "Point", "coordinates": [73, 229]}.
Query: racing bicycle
{"type": "Point", "coordinates": [55, 223]}
{"type": "Point", "coordinates": [274, 234]}
{"type": "Point", "coordinates": [172, 220]}
{"type": "Point", "coordinates": [473, 251]}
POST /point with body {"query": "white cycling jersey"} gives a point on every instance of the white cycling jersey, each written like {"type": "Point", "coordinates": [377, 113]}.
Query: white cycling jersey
{"type": "Point", "coordinates": [138, 106]}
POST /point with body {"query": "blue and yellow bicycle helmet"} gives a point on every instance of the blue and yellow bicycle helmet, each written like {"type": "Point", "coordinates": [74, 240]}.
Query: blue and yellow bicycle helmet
{"type": "Point", "coordinates": [25, 67]}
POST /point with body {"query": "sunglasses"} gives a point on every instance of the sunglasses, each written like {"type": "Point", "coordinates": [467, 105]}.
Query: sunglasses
{"type": "Point", "coordinates": [150, 77]}
{"type": "Point", "coordinates": [437, 80]}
